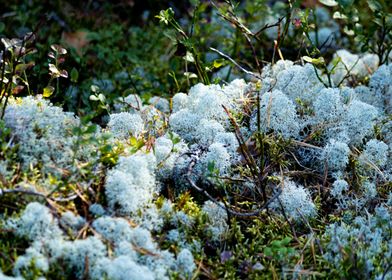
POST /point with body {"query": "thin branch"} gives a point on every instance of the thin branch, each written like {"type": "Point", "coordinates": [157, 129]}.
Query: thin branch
{"type": "Point", "coordinates": [191, 165]}
{"type": "Point", "coordinates": [35, 193]}
{"type": "Point", "coordinates": [23, 191]}
{"type": "Point", "coordinates": [265, 27]}
{"type": "Point", "coordinates": [235, 63]}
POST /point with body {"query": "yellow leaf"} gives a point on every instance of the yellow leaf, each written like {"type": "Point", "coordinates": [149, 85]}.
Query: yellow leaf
{"type": "Point", "coordinates": [48, 91]}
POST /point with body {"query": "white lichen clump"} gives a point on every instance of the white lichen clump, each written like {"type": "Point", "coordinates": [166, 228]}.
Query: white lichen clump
{"type": "Point", "coordinates": [336, 155]}
{"type": "Point", "coordinates": [277, 113]}
{"type": "Point", "coordinates": [124, 125]}
{"type": "Point", "coordinates": [203, 102]}
{"type": "Point", "coordinates": [134, 251]}
{"type": "Point", "coordinates": [375, 153]}
{"type": "Point", "coordinates": [185, 263]}
{"type": "Point", "coordinates": [131, 103]}
{"type": "Point", "coordinates": [131, 184]}
{"type": "Point", "coordinates": [160, 103]}
{"type": "Point", "coordinates": [299, 82]}
{"type": "Point", "coordinates": [167, 152]}
{"type": "Point", "coordinates": [201, 120]}
{"type": "Point", "coordinates": [339, 187]}
{"type": "Point", "coordinates": [217, 217]}
{"type": "Point", "coordinates": [296, 201]}
{"type": "Point", "coordinates": [36, 223]}
{"type": "Point", "coordinates": [45, 135]}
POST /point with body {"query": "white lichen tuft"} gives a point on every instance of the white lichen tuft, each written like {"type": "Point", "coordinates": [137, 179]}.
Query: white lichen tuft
{"type": "Point", "coordinates": [335, 154]}
{"type": "Point", "coordinates": [278, 114]}
{"type": "Point", "coordinates": [124, 125]}
{"type": "Point", "coordinates": [185, 263]}
{"type": "Point", "coordinates": [217, 217]}
{"type": "Point", "coordinates": [131, 184]}
{"type": "Point", "coordinates": [296, 201]}
{"type": "Point", "coordinates": [35, 223]}
{"type": "Point", "coordinates": [375, 153]}
{"type": "Point", "coordinates": [45, 135]}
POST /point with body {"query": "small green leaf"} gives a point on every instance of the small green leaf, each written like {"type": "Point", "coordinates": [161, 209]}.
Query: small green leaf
{"type": "Point", "coordinates": [211, 166]}
{"type": "Point", "coordinates": [218, 63]}
{"type": "Point", "coordinates": [282, 251]}
{"type": "Point", "coordinates": [189, 57]}
{"type": "Point", "coordinates": [267, 251]}
{"type": "Point", "coordinates": [133, 141]}
{"type": "Point", "coordinates": [329, 3]}
{"type": "Point", "coordinates": [21, 67]}
{"type": "Point", "coordinates": [307, 59]}
{"type": "Point", "coordinates": [388, 20]}
{"type": "Point", "coordinates": [378, 21]}
{"type": "Point", "coordinates": [290, 251]}
{"type": "Point", "coordinates": [94, 88]}
{"type": "Point", "coordinates": [339, 15]}
{"type": "Point", "coordinates": [93, 98]}
{"type": "Point", "coordinates": [176, 140]}
{"type": "Point", "coordinates": [54, 71]}
{"type": "Point", "coordinates": [91, 129]}
{"type": "Point", "coordinates": [74, 75]}
{"type": "Point", "coordinates": [48, 91]}
{"type": "Point", "coordinates": [374, 5]}
{"type": "Point", "coordinates": [286, 240]}
{"type": "Point", "coordinates": [101, 98]}
{"type": "Point", "coordinates": [58, 49]}
{"type": "Point", "coordinates": [165, 16]}
{"type": "Point", "coordinates": [190, 75]}
{"type": "Point", "coordinates": [315, 61]}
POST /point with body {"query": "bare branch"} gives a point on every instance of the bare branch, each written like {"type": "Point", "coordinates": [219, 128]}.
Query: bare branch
{"type": "Point", "coordinates": [191, 165]}
{"type": "Point", "coordinates": [235, 63]}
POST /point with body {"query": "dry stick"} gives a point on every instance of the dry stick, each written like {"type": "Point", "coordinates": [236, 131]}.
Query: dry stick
{"type": "Point", "coordinates": [23, 191]}
{"type": "Point", "coordinates": [311, 229]}
{"type": "Point", "coordinates": [386, 271]}
{"type": "Point", "coordinates": [248, 156]}
{"type": "Point", "coordinates": [286, 26]}
{"type": "Point", "coordinates": [235, 63]}
{"type": "Point", "coordinates": [8, 86]}
{"type": "Point", "coordinates": [265, 27]}
{"type": "Point", "coordinates": [287, 219]}
{"type": "Point", "coordinates": [191, 165]}
{"type": "Point", "coordinates": [348, 71]}
{"type": "Point", "coordinates": [2, 72]}
{"type": "Point", "coordinates": [245, 152]}
{"type": "Point", "coordinates": [34, 193]}
{"type": "Point", "coordinates": [259, 67]}
{"type": "Point", "coordinates": [234, 19]}
{"type": "Point", "coordinates": [51, 202]}
{"type": "Point", "coordinates": [275, 46]}
{"type": "Point", "coordinates": [246, 31]}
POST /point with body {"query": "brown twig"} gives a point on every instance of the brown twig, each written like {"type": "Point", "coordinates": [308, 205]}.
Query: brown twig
{"type": "Point", "coordinates": [233, 212]}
